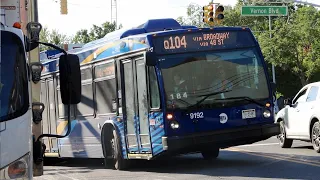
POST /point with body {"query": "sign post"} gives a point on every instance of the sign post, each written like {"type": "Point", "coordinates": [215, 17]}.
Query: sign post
{"type": "Point", "coordinates": [265, 11]}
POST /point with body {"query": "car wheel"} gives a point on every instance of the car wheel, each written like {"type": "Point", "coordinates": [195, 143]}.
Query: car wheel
{"type": "Point", "coordinates": [284, 142]}
{"type": "Point", "coordinates": [315, 137]}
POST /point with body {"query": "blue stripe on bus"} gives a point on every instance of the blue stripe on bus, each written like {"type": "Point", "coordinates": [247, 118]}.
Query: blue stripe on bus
{"type": "Point", "coordinates": [156, 132]}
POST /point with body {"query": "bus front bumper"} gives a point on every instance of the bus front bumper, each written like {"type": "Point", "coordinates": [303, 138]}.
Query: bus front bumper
{"type": "Point", "coordinates": [221, 138]}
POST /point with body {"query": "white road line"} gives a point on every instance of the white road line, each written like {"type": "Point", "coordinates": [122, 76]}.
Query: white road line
{"type": "Point", "coordinates": [266, 144]}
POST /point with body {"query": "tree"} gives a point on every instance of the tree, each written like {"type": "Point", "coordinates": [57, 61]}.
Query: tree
{"type": "Point", "coordinates": [96, 32]}
{"type": "Point", "coordinates": [295, 44]}
{"type": "Point", "coordinates": [194, 16]}
{"type": "Point", "coordinates": [53, 37]}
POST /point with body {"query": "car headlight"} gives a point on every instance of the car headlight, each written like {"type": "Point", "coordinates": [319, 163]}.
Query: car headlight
{"type": "Point", "coordinates": [17, 170]}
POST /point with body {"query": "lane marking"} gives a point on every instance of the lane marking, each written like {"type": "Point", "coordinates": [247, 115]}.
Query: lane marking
{"type": "Point", "coordinates": [266, 144]}
{"type": "Point", "coordinates": [290, 159]}
{"type": "Point", "coordinates": [294, 157]}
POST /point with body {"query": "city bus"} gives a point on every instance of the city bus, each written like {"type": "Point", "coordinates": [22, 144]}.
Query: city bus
{"type": "Point", "coordinates": [162, 89]}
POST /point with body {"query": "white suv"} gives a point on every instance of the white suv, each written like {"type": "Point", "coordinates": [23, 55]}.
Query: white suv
{"type": "Point", "coordinates": [300, 118]}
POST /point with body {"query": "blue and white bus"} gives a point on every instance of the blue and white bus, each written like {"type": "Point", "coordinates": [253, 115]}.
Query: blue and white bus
{"type": "Point", "coordinates": [162, 88]}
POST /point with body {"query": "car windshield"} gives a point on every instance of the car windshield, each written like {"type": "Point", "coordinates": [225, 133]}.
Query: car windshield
{"type": "Point", "coordinates": [188, 78]}
{"type": "Point", "coordinates": [13, 77]}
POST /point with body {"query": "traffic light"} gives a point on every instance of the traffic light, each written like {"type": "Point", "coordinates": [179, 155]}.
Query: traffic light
{"type": "Point", "coordinates": [208, 14]}
{"type": "Point", "coordinates": [219, 16]}
{"type": "Point", "coordinates": [63, 7]}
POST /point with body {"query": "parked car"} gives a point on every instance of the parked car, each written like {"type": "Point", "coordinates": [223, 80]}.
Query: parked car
{"type": "Point", "coordinates": [299, 118]}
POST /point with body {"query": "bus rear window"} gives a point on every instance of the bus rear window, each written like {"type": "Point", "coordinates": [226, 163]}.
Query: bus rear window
{"type": "Point", "coordinates": [13, 77]}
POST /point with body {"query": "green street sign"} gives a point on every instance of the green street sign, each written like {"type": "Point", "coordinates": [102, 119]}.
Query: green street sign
{"type": "Point", "coordinates": [264, 11]}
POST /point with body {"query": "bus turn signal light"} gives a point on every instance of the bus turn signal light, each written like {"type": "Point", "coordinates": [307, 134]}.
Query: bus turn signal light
{"type": "Point", "coordinates": [17, 25]}
{"type": "Point", "coordinates": [169, 116]}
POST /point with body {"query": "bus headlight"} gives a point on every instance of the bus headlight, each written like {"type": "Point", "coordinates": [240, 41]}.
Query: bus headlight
{"type": "Point", "coordinates": [266, 113]}
{"type": "Point", "coordinates": [174, 125]}
{"type": "Point", "coordinates": [17, 170]}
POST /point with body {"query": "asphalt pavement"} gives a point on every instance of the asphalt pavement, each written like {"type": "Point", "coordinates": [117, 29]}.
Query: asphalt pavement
{"type": "Point", "coordinates": [262, 160]}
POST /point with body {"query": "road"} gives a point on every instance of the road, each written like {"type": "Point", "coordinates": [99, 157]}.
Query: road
{"type": "Point", "coordinates": [263, 160]}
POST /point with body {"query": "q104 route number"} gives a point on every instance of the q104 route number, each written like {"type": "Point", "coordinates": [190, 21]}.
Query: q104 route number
{"type": "Point", "coordinates": [196, 115]}
{"type": "Point", "coordinates": [175, 43]}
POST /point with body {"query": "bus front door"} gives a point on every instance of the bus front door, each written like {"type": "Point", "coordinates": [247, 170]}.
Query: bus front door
{"type": "Point", "coordinates": [135, 103]}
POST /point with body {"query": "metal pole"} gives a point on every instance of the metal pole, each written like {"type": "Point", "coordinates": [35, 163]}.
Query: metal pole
{"type": "Point", "coordinates": [111, 12]}
{"type": "Point", "coordinates": [115, 1]}
{"type": "Point", "coordinates": [35, 11]}
{"type": "Point", "coordinates": [35, 88]}
{"type": "Point", "coordinates": [273, 69]}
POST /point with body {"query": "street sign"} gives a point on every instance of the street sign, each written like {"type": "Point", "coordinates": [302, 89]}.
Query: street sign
{"type": "Point", "coordinates": [264, 10]}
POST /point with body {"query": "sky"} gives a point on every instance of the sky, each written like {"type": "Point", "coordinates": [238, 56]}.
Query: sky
{"type": "Point", "coordinates": [82, 14]}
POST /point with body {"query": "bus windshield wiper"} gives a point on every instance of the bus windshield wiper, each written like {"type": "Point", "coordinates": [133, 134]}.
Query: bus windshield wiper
{"type": "Point", "coordinates": [244, 98]}
{"type": "Point", "coordinates": [206, 96]}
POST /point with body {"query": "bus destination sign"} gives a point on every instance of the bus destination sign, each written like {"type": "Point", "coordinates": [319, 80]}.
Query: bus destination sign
{"type": "Point", "coordinates": [202, 41]}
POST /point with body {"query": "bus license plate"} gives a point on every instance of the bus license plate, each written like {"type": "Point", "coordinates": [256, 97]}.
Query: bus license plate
{"type": "Point", "coordinates": [249, 113]}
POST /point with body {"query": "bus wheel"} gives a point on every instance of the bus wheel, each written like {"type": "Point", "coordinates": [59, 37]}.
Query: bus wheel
{"type": "Point", "coordinates": [210, 154]}
{"type": "Point", "coordinates": [284, 142]}
{"type": "Point", "coordinates": [119, 162]}
{"type": "Point", "coordinates": [112, 151]}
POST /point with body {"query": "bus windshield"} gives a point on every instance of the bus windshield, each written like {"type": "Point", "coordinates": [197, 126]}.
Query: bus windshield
{"type": "Point", "coordinates": [190, 77]}
{"type": "Point", "coordinates": [13, 77]}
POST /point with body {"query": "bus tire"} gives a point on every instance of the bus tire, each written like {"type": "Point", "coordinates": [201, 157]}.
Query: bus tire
{"type": "Point", "coordinates": [112, 151]}
{"type": "Point", "coordinates": [284, 142]}
{"type": "Point", "coordinates": [119, 162]}
{"type": "Point", "coordinates": [210, 154]}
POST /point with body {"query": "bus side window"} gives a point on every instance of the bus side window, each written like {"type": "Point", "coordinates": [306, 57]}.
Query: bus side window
{"type": "Point", "coordinates": [62, 109]}
{"type": "Point", "coordinates": [85, 107]}
{"type": "Point", "coordinates": [154, 89]}
{"type": "Point", "coordinates": [105, 88]}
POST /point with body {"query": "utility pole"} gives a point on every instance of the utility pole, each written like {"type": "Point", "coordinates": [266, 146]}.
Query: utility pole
{"type": "Point", "coordinates": [114, 13]}
{"type": "Point", "coordinates": [35, 88]}
{"type": "Point", "coordinates": [273, 69]}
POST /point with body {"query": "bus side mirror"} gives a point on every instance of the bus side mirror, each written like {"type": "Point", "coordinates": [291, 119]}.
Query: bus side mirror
{"type": "Point", "coordinates": [280, 102]}
{"type": "Point", "coordinates": [150, 59]}
{"type": "Point", "coordinates": [36, 69]}
{"type": "Point", "coordinates": [70, 79]}
{"type": "Point", "coordinates": [273, 87]}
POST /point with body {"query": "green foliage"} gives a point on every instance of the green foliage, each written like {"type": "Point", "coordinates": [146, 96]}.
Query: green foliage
{"type": "Point", "coordinates": [81, 36]}
{"type": "Point", "coordinates": [293, 49]}
{"type": "Point", "coordinates": [295, 44]}
{"type": "Point", "coordinates": [96, 32]}
{"type": "Point", "coordinates": [194, 16]}
{"type": "Point", "coordinates": [53, 36]}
